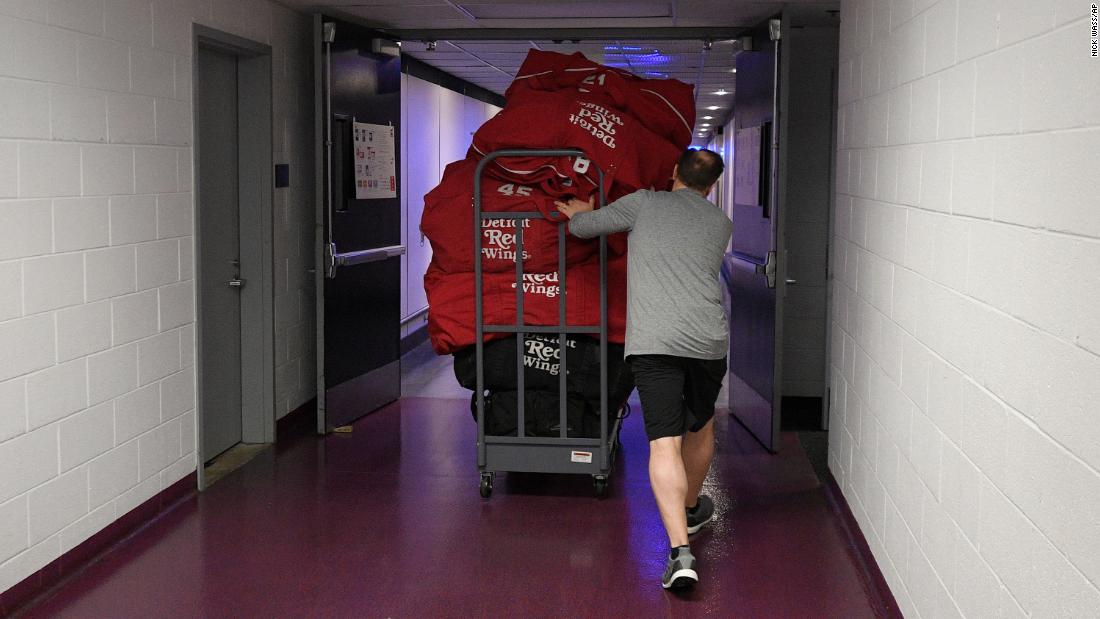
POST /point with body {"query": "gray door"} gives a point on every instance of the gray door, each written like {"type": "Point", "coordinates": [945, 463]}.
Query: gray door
{"type": "Point", "coordinates": [218, 251]}
{"type": "Point", "coordinates": [750, 270]}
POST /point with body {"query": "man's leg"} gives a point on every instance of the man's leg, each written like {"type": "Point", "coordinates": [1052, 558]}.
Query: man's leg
{"type": "Point", "coordinates": [697, 452]}
{"type": "Point", "coordinates": [670, 486]}
{"type": "Point", "coordinates": [703, 381]}
{"type": "Point", "coordinates": [660, 381]}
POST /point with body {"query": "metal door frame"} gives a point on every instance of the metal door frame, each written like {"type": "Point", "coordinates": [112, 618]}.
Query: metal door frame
{"type": "Point", "coordinates": [254, 125]}
{"type": "Point", "coordinates": [777, 199]}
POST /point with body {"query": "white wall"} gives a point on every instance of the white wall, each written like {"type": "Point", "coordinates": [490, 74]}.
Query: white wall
{"type": "Point", "coordinates": [724, 146]}
{"type": "Point", "coordinates": [965, 364]}
{"type": "Point", "coordinates": [439, 124]}
{"type": "Point", "coordinates": [97, 353]}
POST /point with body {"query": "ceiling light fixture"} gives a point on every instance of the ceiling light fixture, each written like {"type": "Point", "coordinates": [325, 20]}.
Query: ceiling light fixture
{"type": "Point", "coordinates": [721, 92]}
{"type": "Point", "coordinates": [708, 118]}
{"type": "Point", "coordinates": [705, 125]}
{"type": "Point", "coordinates": [712, 107]}
{"type": "Point", "coordinates": [733, 70]}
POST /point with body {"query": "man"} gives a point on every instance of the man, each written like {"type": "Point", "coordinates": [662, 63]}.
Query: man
{"type": "Point", "coordinates": [676, 335]}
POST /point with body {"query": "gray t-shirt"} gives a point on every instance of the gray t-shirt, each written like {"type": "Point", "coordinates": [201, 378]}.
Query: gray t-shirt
{"type": "Point", "coordinates": [676, 245]}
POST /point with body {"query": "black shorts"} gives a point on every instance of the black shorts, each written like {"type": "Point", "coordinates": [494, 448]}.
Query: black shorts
{"type": "Point", "coordinates": [677, 393]}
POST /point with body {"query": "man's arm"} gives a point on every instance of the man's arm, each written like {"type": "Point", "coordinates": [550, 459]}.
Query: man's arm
{"type": "Point", "coordinates": [586, 223]}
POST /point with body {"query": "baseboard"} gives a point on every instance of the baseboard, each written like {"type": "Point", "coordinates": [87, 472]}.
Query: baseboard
{"type": "Point", "coordinates": [95, 547]}
{"type": "Point", "coordinates": [882, 600]}
{"type": "Point", "coordinates": [413, 339]}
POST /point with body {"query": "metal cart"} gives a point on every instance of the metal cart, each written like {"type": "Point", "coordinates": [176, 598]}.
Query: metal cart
{"type": "Point", "coordinates": [538, 454]}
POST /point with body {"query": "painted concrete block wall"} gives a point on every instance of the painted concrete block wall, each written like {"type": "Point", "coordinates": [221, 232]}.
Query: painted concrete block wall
{"type": "Point", "coordinates": [439, 126]}
{"type": "Point", "coordinates": [965, 332]}
{"type": "Point", "coordinates": [97, 316]}
{"type": "Point", "coordinates": [295, 305]}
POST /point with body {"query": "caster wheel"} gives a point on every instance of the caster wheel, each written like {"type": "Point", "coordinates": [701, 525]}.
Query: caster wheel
{"type": "Point", "coordinates": [601, 487]}
{"type": "Point", "coordinates": [486, 486]}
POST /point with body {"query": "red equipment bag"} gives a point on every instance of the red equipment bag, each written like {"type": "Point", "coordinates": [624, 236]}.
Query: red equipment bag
{"type": "Point", "coordinates": [451, 323]}
{"type": "Point", "coordinates": [665, 107]}
{"type": "Point", "coordinates": [448, 224]}
{"type": "Point", "coordinates": [631, 156]}
{"type": "Point", "coordinates": [633, 129]}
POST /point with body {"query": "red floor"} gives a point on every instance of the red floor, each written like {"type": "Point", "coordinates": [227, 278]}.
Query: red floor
{"type": "Point", "coordinates": [387, 522]}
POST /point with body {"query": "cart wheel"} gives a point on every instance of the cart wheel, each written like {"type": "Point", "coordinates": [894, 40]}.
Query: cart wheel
{"type": "Point", "coordinates": [486, 485]}
{"type": "Point", "coordinates": [601, 486]}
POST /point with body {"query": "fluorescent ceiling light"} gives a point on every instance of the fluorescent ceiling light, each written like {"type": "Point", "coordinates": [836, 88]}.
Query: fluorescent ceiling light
{"type": "Point", "coordinates": [721, 92]}
{"type": "Point", "coordinates": [708, 118]}
{"type": "Point", "coordinates": [705, 125]}
{"type": "Point", "coordinates": [733, 70]}
{"type": "Point", "coordinates": [712, 107]}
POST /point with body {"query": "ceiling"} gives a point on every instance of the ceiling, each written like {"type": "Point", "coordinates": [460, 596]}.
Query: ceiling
{"type": "Point", "coordinates": [474, 39]}
{"type": "Point", "coordinates": [464, 14]}
{"type": "Point", "coordinates": [493, 64]}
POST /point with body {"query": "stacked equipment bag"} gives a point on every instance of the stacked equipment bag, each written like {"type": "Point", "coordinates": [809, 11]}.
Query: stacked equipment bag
{"type": "Point", "coordinates": [634, 129]}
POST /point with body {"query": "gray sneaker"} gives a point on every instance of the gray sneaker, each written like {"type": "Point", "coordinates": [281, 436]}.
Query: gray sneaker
{"type": "Point", "coordinates": [680, 573]}
{"type": "Point", "coordinates": [702, 514]}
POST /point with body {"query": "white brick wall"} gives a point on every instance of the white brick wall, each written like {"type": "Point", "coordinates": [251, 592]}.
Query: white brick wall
{"type": "Point", "coordinates": [97, 351]}
{"type": "Point", "coordinates": [965, 329]}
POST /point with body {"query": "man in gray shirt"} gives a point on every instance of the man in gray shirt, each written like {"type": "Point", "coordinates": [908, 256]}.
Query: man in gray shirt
{"type": "Point", "coordinates": [676, 335]}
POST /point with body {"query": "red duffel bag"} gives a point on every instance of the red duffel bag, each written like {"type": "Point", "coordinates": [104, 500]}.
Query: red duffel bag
{"type": "Point", "coordinates": [665, 107]}
{"type": "Point", "coordinates": [630, 155]}
{"type": "Point", "coordinates": [555, 176]}
{"type": "Point", "coordinates": [447, 222]}
{"type": "Point", "coordinates": [451, 323]}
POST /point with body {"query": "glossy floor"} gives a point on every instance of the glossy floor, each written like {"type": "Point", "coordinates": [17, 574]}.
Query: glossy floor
{"type": "Point", "coordinates": [387, 522]}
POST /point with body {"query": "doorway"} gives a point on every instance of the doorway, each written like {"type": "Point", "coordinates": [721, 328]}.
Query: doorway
{"type": "Point", "coordinates": [233, 243]}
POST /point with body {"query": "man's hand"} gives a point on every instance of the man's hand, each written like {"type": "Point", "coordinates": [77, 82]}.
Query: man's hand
{"type": "Point", "coordinates": [574, 206]}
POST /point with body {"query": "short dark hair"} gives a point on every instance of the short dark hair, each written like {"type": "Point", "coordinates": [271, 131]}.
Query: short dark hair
{"type": "Point", "coordinates": [699, 168]}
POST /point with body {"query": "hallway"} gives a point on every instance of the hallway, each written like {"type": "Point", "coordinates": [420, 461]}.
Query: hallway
{"type": "Point", "coordinates": [387, 522]}
{"type": "Point", "coordinates": [221, 217]}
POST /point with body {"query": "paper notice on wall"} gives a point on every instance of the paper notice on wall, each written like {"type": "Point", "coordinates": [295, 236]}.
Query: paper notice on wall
{"type": "Point", "coordinates": [375, 162]}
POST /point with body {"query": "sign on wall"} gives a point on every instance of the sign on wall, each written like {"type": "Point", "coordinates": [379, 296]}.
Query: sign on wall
{"type": "Point", "coordinates": [375, 161]}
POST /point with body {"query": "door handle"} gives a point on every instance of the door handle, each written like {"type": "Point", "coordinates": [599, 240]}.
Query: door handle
{"type": "Point", "coordinates": [768, 269]}
{"type": "Point", "coordinates": [236, 283]}
{"type": "Point", "coordinates": [765, 268]}
{"type": "Point", "coordinates": [353, 258]}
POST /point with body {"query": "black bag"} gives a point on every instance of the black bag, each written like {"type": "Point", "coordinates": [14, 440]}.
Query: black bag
{"type": "Point", "coordinates": [541, 384]}
{"type": "Point", "coordinates": [542, 365]}
{"type": "Point", "coordinates": [540, 414]}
